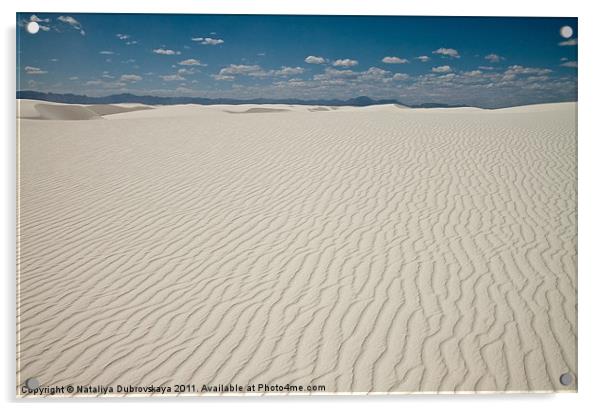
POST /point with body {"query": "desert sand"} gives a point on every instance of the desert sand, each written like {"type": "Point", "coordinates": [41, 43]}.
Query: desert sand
{"type": "Point", "coordinates": [377, 249]}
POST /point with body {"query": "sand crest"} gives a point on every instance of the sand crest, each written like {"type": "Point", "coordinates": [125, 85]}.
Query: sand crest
{"type": "Point", "coordinates": [29, 109]}
{"type": "Point", "coordinates": [256, 110]}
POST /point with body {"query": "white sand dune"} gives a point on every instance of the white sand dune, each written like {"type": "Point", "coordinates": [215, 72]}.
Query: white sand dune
{"type": "Point", "coordinates": [256, 110]}
{"type": "Point", "coordinates": [108, 109]}
{"type": "Point", "coordinates": [366, 249]}
{"type": "Point", "coordinates": [63, 112]}
{"type": "Point", "coordinates": [31, 109]}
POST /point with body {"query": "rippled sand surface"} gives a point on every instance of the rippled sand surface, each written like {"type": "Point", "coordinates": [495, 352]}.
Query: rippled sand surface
{"type": "Point", "coordinates": [377, 249]}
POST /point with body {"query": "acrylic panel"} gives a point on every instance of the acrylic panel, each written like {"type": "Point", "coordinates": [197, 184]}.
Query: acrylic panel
{"type": "Point", "coordinates": [307, 205]}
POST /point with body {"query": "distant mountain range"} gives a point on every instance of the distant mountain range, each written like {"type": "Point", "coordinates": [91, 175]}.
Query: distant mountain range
{"type": "Point", "coordinates": [361, 101]}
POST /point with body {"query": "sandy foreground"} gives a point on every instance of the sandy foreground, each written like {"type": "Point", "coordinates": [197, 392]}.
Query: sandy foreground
{"type": "Point", "coordinates": [376, 249]}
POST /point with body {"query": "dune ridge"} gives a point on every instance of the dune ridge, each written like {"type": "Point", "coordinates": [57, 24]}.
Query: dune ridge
{"type": "Point", "coordinates": [365, 249]}
{"type": "Point", "coordinates": [30, 109]}
{"type": "Point", "coordinates": [257, 110]}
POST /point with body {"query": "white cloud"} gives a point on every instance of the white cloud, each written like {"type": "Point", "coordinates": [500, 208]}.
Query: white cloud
{"type": "Point", "coordinates": [441, 69]}
{"type": "Point", "coordinates": [448, 77]}
{"type": "Point", "coordinates": [208, 41]}
{"type": "Point", "coordinates": [394, 60]}
{"type": "Point", "coordinates": [447, 52]}
{"type": "Point", "coordinates": [173, 77]}
{"type": "Point", "coordinates": [571, 42]}
{"type": "Point", "coordinates": [222, 77]}
{"type": "Point", "coordinates": [106, 84]}
{"type": "Point", "coordinates": [331, 73]}
{"type": "Point", "coordinates": [374, 73]}
{"type": "Point", "coordinates": [189, 62]}
{"type": "Point", "coordinates": [423, 59]}
{"type": "Point", "coordinates": [34, 70]}
{"type": "Point", "coordinates": [126, 38]}
{"type": "Point", "coordinates": [73, 78]}
{"type": "Point", "coordinates": [345, 63]}
{"type": "Point", "coordinates": [38, 20]}
{"type": "Point", "coordinates": [236, 69]}
{"type": "Point", "coordinates": [106, 52]}
{"type": "Point", "coordinates": [227, 73]}
{"type": "Point", "coordinates": [400, 76]}
{"type": "Point", "coordinates": [315, 60]}
{"type": "Point", "coordinates": [289, 71]}
{"type": "Point", "coordinates": [166, 52]}
{"type": "Point", "coordinates": [130, 77]}
{"type": "Point", "coordinates": [73, 23]}
{"type": "Point", "coordinates": [569, 64]}
{"type": "Point", "coordinates": [516, 70]}
{"type": "Point", "coordinates": [494, 58]}
{"type": "Point", "coordinates": [186, 71]}
{"type": "Point", "coordinates": [473, 73]}
{"type": "Point", "coordinates": [486, 68]}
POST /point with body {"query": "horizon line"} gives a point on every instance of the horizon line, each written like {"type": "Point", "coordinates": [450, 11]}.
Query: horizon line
{"type": "Point", "coordinates": [282, 100]}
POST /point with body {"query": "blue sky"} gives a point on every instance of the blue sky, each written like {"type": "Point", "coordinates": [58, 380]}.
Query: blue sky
{"type": "Point", "coordinates": [489, 62]}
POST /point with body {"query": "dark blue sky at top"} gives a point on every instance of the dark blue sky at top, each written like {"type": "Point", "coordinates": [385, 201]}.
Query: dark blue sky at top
{"type": "Point", "coordinates": [248, 56]}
